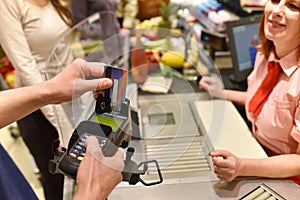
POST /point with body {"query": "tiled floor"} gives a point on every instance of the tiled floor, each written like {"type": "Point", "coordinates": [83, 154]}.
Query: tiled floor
{"type": "Point", "coordinates": [20, 154]}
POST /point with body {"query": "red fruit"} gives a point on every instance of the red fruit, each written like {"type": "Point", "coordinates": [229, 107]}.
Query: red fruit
{"type": "Point", "coordinates": [151, 57]}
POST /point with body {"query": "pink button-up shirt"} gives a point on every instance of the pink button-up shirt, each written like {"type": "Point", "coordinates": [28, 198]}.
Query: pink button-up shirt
{"type": "Point", "coordinates": [277, 127]}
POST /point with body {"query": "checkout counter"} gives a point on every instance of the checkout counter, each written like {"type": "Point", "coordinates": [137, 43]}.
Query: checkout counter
{"type": "Point", "coordinates": [178, 130]}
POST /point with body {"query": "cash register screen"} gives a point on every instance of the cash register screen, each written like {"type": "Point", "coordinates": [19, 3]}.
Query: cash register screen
{"type": "Point", "coordinates": [243, 39]}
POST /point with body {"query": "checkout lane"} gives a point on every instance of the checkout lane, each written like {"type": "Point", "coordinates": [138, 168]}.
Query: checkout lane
{"type": "Point", "coordinates": [180, 143]}
{"type": "Point", "coordinates": [196, 180]}
{"type": "Point", "coordinates": [203, 124]}
{"type": "Point", "coordinates": [188, 117]}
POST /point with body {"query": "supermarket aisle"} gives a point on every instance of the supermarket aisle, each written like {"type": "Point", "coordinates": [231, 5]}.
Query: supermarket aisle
{"type": "Point", "coordinates": [20, 154]}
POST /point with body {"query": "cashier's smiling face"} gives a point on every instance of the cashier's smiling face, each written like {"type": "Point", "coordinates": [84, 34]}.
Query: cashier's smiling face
{"type": "Point", "coordinates": [282, 22]}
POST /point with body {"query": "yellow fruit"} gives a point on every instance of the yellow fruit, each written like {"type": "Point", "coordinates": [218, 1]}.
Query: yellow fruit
{"type": "Point", "coordinates": [173, 59]}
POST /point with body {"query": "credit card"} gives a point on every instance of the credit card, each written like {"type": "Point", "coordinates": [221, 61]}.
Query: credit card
{"type": "Point", "coordinates": [117, 92]}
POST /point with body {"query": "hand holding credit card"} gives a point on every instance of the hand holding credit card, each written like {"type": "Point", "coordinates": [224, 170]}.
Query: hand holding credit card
{"type": "Point", "coordinates": [112, 98]}
{"type": "Point", "coordinates": [109, 124]}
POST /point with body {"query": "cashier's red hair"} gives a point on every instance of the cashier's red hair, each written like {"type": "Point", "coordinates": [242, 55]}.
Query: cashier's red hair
{"type": "Point", "coordinates": [267, 46]}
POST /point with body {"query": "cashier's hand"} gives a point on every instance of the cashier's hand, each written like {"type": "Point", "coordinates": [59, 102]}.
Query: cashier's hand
{"type": "Point", "coordinates": [213, 86]}
{"type": "Point", "coordinates": [98, 175]}
{"type": "Point", "coordinates": [226, 165]}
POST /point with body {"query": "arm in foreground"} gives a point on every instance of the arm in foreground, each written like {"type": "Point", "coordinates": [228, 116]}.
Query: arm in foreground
{"type": "Point", "coordinates": [67, 85]}
{"type": "Point", "coordinates": [98, 175]}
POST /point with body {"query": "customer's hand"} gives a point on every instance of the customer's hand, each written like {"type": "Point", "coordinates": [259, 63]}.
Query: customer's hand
{"type": "Point", "coordinates": [226, 165]}
{"type": "Point", "coordinates": [71, 82]}
{"type": "Point", "coordinates": [213, 86]}
{"type": "Point", "coordinates": [98, 175]}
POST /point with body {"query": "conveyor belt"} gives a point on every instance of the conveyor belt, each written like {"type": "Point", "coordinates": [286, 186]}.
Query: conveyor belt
{"type": "Point", "coordinates": [263, 192]}
{"type": "Point", "coordinates": [180, 157]}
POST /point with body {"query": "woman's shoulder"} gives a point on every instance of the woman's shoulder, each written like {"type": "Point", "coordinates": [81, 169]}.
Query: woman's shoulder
{"type": "Point", "coordinates": [13, 5]}
{"type": "Point", "coordinates": [21, 4]}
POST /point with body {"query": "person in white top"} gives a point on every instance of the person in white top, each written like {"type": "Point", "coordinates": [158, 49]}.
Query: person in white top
{"type": "Point", "coordinates": [29, 29]}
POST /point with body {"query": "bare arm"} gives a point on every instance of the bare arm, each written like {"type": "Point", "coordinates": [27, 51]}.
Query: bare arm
{"type": "Point", "coordinates": [281, 166]}
{"type": "Point", "coordinates": [238, 97]}
{"type": "Point", "coordinates": [17, 103]}
{"type": "Point", "coordinates": [228, 166]}
{"type": "Point", "coordinates": [69, 84]}
{"type": "Point", "coordinates": [97, 175]}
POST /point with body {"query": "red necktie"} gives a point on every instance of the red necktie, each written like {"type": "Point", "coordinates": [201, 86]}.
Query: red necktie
{"type": "Point", "coordinates": [260, 97]}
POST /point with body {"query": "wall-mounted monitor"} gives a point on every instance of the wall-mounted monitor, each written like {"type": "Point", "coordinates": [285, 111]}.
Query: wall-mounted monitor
{"type": "Point", "coordinates": [242, 41]}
